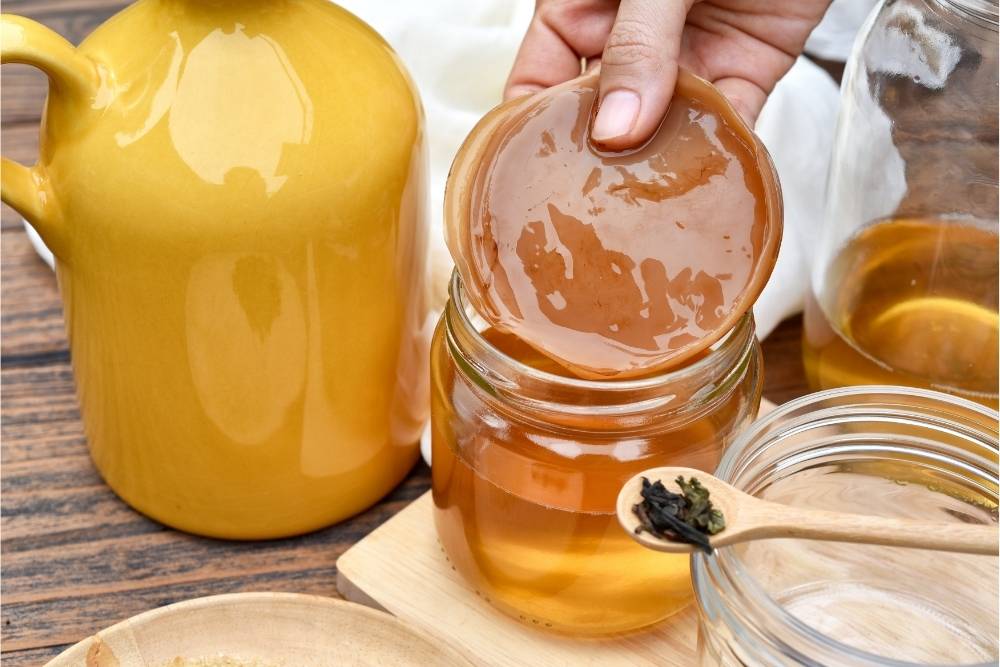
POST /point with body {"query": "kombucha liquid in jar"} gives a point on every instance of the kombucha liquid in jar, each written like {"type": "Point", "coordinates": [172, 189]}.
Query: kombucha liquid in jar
{"type": "Point", "coordinates": [611, 290]}
{"type": "Point", "coordinates": [911, 302]}
{"type": "Point", "coordinates": [527, 516]}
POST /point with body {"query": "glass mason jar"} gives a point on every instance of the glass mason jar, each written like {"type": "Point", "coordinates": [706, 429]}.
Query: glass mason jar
{"type": "Point", "coordinates": [904, 290]}
{"type": "Point", "coordinates": [528, 462]}
{"type": "Point", "coordinates": [878, 450]}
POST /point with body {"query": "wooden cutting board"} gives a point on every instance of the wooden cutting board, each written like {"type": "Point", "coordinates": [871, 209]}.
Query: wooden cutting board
{"type": "Point", "coordinates": [401, 568]}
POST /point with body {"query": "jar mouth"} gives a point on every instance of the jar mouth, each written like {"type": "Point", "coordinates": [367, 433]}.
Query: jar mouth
{"type": "Point", "coordinates": [968, 422]}
{"type": "Point", "coordinates": [459, 305]}
{"type": "Point", "coordinates": [686, 390]}
{"type": "Point", "coordinates": [766, 425]}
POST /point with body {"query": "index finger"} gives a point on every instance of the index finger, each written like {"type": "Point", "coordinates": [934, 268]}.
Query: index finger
{"type": "Point", "coordinates": [560, 35]}
{"type": "Point", "coordinates": [543, 60]}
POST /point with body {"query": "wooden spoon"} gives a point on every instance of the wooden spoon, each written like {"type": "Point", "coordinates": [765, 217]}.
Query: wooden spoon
{"type": "Point", "coordinates": [749, 518]}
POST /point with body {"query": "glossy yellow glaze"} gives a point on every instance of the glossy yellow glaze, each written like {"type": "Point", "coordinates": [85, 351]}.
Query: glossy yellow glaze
{"type": "Point", "coordinates": [234, 191]}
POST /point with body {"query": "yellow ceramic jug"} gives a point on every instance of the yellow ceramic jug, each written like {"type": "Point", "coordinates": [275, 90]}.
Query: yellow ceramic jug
{"type": "Point", "coordinates": [234, 191]}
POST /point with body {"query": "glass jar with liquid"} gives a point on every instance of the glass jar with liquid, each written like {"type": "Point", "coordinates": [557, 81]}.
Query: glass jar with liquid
{"type": "Point", "coordinates": [905, 288]}
{"type": "Point", "coordinates": [528, 462]}
{"type": "Point", "coordinates": [878, 450]}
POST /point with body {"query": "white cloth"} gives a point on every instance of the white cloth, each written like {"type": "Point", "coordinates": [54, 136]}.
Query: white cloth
{"type": "Point", "coordinates": [834, 36]}
{"type": "Point", "coordinates": [796, 124]}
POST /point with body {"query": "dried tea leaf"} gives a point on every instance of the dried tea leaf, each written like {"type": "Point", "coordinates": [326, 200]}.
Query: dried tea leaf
{"type": "Point", "coordinates": [680, 517]}
{"type": "Point", "coordinates": [700, 511]}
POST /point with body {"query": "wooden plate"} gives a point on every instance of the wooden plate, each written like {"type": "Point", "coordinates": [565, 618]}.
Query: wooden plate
{"type": "Point", "coordinates": [259, 630]}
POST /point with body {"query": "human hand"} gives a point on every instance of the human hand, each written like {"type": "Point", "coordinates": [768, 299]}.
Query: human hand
{"type": "Point", "coordinates": [742, 46]}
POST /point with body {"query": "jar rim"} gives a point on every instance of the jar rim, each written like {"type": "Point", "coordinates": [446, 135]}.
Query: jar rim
{"type": "Point", "coordinates": [726, 560]}
{"type": "Point", "coordinates": [987, 11]}
{"type": "Point", "coordinates": [456, 292]}
{"type": "Point", "coordinates": [759, 427]}
{"type": "Point", "coordinates": [633, 405]}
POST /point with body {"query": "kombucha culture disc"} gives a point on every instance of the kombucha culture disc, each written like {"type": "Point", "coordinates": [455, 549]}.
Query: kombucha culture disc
{"type": "Point", "coordinates": [615, 264]}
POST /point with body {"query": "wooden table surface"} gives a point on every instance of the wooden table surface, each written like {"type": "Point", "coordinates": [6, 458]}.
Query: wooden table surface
{"type": "Point", "coordinates": [75, 559]}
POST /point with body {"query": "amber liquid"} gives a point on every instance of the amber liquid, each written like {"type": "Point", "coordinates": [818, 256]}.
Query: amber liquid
{"type": "Point", "coordinates": [910, 302]}
{"type": "Point", "coordinates": [527, 515]}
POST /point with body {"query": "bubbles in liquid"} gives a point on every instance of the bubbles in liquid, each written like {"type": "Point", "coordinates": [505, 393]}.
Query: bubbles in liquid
{"type": "Point", "coordinates": [613, 264]}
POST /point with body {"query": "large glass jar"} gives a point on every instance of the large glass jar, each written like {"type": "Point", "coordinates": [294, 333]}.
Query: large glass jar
{"type": "Point", "coordinates": [905, 286]}
{"type": "Point", "coordinates": [878, 450]}
{"type": "Point", "coordinates": [528, 462]}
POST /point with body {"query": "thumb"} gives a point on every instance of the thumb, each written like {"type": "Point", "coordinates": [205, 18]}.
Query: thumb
{"type": "Point", "coordinates": [638, 71]}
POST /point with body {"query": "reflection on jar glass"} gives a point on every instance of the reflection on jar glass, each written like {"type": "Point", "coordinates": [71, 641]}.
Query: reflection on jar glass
{"type": "Point", "coordinates": [876, 450]}
{"type": "Point", "coordinates": [528, 462]}
{"type": "Point", "coordinates": [905, 283]}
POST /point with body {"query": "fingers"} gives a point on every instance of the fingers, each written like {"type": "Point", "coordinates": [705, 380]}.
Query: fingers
{"type": "Point", "coordinates": [641, 41]}
{"type": "Point", "coordinates": [638, 71]}
{"type": "Point", "coordinates": [560, 34]}
{"type": "Point", "coordinates": [747, 97]}
{"type": "Point", "coordinates": [543, 60]}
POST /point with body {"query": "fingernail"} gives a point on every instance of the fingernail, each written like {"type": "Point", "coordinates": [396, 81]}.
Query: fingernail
{"type": "Point", "coordinates": [616, 116]}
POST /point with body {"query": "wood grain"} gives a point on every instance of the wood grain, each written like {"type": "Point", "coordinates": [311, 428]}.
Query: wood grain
{"type": "Point", "coordinates": [75, 558]}
{"type": "Point", "coordinates": [31, 318]}
{"type": "Point", "coordinates": [20, 143]}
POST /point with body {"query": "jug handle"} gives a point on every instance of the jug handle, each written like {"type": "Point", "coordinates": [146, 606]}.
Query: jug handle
{"type": "Point", "coordinates": [72, 76]}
